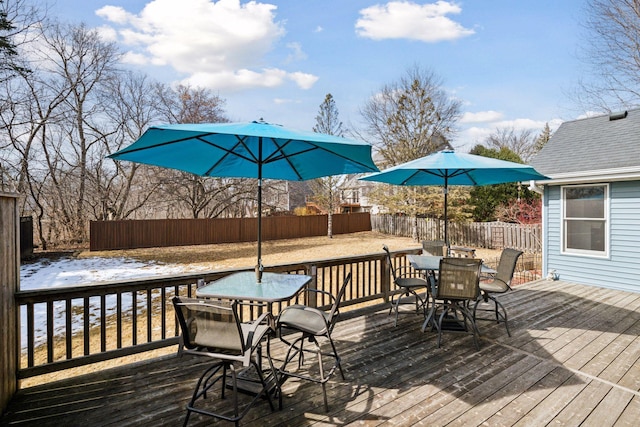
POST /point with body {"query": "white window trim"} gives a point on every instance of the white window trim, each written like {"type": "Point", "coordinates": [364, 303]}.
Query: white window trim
{"type": "Point", "coordinates": [607, 228]}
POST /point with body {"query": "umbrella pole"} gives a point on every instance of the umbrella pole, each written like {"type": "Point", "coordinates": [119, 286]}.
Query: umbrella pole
{"type": "Point", "coordinates": [259, 267]}
{"type": "Point", "coordinates": [446, 217]}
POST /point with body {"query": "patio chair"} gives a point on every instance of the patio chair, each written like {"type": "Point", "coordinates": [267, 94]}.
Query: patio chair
{"type": "Point", "coordinates": [213, 329]}
{"type": "Point", "coordinates": [405, 278]}
{"type": "Point", "coordinates": [498, 284]}
{"type": "Point", "coordinates": [307, 323]}
{"type": "Point", "coordinates": [457, 285]}
{"type": "Point", "coordinates": [434, 247]}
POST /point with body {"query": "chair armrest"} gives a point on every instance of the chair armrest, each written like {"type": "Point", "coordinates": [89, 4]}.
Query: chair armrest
{"type": "Point", "coordinates": [318, 291]}
{"type": "Point", "coordinates": [263, 319]}
{"type": "Point", "coordinates": [495, 279]}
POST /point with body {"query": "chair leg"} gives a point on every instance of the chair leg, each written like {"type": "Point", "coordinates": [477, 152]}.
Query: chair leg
{"type": "Point", "coordinates": [499, 311]}
{"type": "Point", "coordinates": [467, 317]}
{"type": "Point", "coordinates": [295, 349]}
{"type": "Point", "coordinates": [395, 303]}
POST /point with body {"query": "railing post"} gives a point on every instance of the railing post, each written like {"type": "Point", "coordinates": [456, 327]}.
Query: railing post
{"type": "Point", "coordinates": [385, 278]}
{"type": "Point", "coordinates": [312, 270]}
{"type": "Point", "coordinates": [9, 280]}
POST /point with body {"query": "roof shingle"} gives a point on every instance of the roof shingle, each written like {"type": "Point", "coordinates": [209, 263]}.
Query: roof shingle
{"type": "Point", "coordinates": [594, 143]}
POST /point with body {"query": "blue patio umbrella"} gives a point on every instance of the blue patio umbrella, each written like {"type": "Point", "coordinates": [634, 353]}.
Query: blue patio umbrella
{"type": "Point", "coordinates": [249, 150]}
{"type": "Point", "coordinates": [447, 168]}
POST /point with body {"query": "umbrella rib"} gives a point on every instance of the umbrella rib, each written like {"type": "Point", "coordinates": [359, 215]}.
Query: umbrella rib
{"type": "Point", "coordinates": [281, 155]}
{"type": "Point", "coordinates": [228, 152]}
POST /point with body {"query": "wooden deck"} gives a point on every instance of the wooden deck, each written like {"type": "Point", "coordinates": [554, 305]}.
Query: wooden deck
{"type": "Point", "coordinates": [573, 359]}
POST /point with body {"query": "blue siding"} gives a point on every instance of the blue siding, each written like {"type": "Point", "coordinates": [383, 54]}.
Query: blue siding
{"type": "Point", "coordinates": [622, 269]}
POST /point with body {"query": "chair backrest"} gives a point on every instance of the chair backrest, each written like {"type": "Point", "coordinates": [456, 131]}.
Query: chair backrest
{"type": "Point", "coordinates": [212, 325]}
{"type": "Point", "coordinates": [335, 307]}
{"type": "Point", "coordinates": [459, 278]}
{"type": "Point", "coordinates": [507, 265]}
{"type": "Point", "coordinates": [390, 261]}
{"type": "Point", "coordinates": [434, 247]}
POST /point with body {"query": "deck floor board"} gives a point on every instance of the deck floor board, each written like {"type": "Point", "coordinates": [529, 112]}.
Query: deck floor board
{"type": "Point", "coordinates": [573, 358]}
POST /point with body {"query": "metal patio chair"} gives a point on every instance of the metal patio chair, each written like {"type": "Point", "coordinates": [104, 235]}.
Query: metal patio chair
{"type": "Point", "coordinates": [498, 284]}
{"type": "Point", "coordinates": [404, 277]}
{"type": "Point", "coordinates": [434, 247]}
{"type": "Point", "coordinates": [213, 329]}
{"type": "Point", "coordinates": [457, 286]}
{"type": "Point", "coordinates": [307, 323]}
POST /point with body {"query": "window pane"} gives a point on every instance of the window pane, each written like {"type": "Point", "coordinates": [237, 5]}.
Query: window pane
{"type": "Point", "coordinates": [585, 235]}
{"type": "Point", "coordinates": [584, 202]}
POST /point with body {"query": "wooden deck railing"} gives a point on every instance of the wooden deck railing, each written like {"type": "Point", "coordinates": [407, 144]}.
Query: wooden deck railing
{"type": "Point", "coordinates": [74, 326]}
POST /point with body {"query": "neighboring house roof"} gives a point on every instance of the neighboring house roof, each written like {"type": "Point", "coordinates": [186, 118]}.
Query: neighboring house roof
{"type": "Point", "coordinates": [596, 148]}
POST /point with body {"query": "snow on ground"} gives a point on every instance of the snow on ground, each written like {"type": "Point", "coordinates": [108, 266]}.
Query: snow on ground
{"type": "Point", "coordinates": [69, 271]}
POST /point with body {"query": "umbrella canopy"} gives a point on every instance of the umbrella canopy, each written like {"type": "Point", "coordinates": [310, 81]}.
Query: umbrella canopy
{"type": "Point", "coordinates": [249, 150]}
{"type": "Point", "coordinates": [450, 168]}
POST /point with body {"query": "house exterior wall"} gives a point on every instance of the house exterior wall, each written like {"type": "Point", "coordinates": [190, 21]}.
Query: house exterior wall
{"type": "Point", "coordinates": [621, 269]}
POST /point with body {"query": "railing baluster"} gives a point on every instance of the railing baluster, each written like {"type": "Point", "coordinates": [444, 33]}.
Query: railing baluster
{"type": "Point", "coordinates": [149, 316]}
{"type": "Point", "coordinates": [68, 327]}
{"type": "Point", "coordinates": [30, 335]}
{"type": "Point", "coordinates": [134, 318]}
{"type": "Point", "coordinates": [87, 326]}
{"type": "Point", "coordinates": [49, 331]}
{"type": "Point", "coordinates": [103, 323]}
{"type": "Point", "coordinates": [163, 312]}
{"type": "Point", "coordinates": [119, 320]}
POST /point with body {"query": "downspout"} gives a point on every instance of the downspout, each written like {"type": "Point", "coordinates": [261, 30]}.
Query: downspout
{"type": "Point", "coordinates": [535, 187]}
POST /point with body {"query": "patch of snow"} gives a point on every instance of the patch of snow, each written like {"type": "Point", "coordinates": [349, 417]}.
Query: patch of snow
{"type": "Point", "coordinates": [70, 271]}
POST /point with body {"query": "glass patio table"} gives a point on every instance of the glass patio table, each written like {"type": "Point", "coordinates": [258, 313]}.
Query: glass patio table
{"type": "Point", "coordinates": [431, 263]}
{"type": "Point", "coordinates": [243, 286]}
{"type": "Point", "coordinates": [275, 287]}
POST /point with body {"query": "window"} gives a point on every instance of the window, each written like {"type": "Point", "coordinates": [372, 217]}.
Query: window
{"type": "Point", "coordinates": [584, 219]}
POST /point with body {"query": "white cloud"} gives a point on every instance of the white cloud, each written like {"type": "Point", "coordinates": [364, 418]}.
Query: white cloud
{"type": "Point", "coordinates": [296, 52]}
{"type": "Point", "coordinates": [282, 101]}
{"type": "Point", "coordinates": [303, 80]}
{"type": "Point", "coordinates": [220, 45]}
{"type": "Point", "coordinates": [481, 117]}
{"type": "Point", "coordinates": [408, 20]}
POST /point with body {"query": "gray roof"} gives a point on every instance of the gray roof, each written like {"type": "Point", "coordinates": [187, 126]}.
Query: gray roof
{"type": "Point", "coordinates": [591, 144]}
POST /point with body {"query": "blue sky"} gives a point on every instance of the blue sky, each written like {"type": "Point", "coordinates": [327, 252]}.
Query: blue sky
{"type": "Point", "coordinates": [510, 63]}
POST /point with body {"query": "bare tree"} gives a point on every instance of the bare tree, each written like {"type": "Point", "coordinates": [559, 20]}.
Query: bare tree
{"type": "Point", "coordinates": [612, 37]}
{"type": "Point", "coordinates": [406, 120]}
{"type": "Point", "coordinates": [411, 118]}
{"type": "Point", "coordinates": [119, 189]}
{"type": "Point", "coordinates": [57, 127]}
{"type": "Point", "coordinates": [195, 195]}
{"type": "Point", "coordinates": [522, 142]}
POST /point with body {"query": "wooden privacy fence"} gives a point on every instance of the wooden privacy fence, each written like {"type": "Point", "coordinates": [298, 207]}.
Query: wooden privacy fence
{"type": "Point", "coordinates": [490, 235]}
{"type": "Point", "coordinates": [131, 234]}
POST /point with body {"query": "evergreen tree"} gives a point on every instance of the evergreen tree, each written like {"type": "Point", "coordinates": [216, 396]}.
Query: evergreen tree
{"type": "Point", "coordinates": [8, 51]}
{"type": "Point", "coordinates": [325, 190]}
